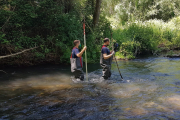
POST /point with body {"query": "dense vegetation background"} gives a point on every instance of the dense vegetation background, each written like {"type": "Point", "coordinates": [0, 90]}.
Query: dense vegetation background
{"type": "Point", "coordinates": [139, 26]}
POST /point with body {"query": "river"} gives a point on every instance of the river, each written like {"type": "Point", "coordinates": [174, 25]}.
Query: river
{"type": "Point", "coordinates": [150, 90]}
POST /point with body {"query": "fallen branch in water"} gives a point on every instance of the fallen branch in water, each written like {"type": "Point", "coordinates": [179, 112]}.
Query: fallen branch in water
{"type": "Point", "coordinates": [17, 53]}
{"type": "Point", "coordinates": [3, 71]}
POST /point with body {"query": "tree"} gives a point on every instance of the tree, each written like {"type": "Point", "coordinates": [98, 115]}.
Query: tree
{"type": "Point", "coordinates": [97, 12]}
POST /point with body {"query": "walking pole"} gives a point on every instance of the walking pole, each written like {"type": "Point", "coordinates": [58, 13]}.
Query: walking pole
{"type": "Point", "coordinates": [118, 67]}
{"type": "Point", "coordinates": [116, 61]}
{"type": "Point", "coordinates": [84, 26]}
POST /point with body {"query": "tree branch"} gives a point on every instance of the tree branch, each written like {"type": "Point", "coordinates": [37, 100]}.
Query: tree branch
{"type": "Point", "coordinates": [17, 53]}
{"type": "Point", "coordinates": [3, 71]}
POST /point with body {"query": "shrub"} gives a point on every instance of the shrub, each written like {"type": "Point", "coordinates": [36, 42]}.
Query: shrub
{"type": "Point", "coordinates": [51, 26]}
{"type": "Point", "coordinates": [142, 37]}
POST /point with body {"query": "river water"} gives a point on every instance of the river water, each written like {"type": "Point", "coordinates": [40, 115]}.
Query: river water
{"type": "Point", "coordinates": [150, 90]}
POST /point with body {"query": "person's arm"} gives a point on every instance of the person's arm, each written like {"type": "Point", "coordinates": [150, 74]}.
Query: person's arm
{"type": "Point", "coordinates": [82, 51]}
{"type": "Point", "coordinates": [105, 56]}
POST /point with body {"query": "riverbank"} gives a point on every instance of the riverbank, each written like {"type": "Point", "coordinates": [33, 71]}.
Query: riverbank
{"type": "Point", "coordinates": [164, 53]}
{"type": "Point", "coordinates": [27, 58]}
{"type": "Point", "coordinates": [172, 54]}
{"type": "Point", "coordinates": [35, 57]}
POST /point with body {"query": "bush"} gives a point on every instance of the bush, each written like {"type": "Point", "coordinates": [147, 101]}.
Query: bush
{"type": "Point", "coordinates": [142, 37]}
{"type": "Point", "coordinates": [51, 26]}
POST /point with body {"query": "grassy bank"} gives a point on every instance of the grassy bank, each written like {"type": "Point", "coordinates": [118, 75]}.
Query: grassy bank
{"type": "Point", "coordinates": [152, 36]}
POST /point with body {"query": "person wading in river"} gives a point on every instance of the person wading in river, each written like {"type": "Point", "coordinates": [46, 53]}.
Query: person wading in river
{"type": "Point", "coordinates": [77, 60]}
{"type": "Point", "coordinates": [106, 59]}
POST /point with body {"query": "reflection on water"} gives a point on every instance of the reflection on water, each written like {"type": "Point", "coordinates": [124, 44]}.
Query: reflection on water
{"type": "Point", "coordinates": [150, 90]}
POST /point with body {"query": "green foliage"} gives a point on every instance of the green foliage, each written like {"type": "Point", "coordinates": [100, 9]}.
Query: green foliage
{"type": "Point", "coordinates": [142, 37]}
{"type": "Point", "coordinates": [142, 10]}
{"type": "Point", "coordinates": [52, 25]}
{"type": "Point", "coordinates": [136, 39]}
{"type": "Point", "coordinates": [95, 36]}
{"type": "Point", "coordinates": [170, 53]}
{"type": "Point", "coordinates": [39, 55]}
{"type": "Point", "coordinates": [3, 39]}
{"type": "Point", "coordinates": [130, 48]}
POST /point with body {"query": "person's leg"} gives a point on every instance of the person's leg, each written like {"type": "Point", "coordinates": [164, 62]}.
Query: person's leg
{"type": "Point", "coordinates": [105, 72]}
{"type": "Point", "coordinates": [79, 74]}
{"type": "Point", "coordinates": [109, 71]}
{"type": "Point", "coordinates": [76, 74]}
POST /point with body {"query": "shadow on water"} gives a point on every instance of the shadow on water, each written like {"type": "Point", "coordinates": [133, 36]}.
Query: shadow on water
{"type": "Point", "coordinates": [150, 90]}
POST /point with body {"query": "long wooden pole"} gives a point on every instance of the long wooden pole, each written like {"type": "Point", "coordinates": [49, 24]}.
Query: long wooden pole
{"type": "Point", "coordinates": [84, 27]}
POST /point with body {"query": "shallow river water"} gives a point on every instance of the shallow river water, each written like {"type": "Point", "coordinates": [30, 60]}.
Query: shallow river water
{"type": "Point", "coordinates": [150, 90]}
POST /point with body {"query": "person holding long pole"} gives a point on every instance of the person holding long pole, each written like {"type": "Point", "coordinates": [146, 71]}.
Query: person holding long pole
{"type": "Point", "coordinates": [77, 60]}
{"type": "Point", "coordinates": [106, 59]}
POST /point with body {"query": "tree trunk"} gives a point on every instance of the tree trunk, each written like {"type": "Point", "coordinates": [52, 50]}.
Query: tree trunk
{"type": "Point", "coordinates": [97, 13]}
{"type": "Point", "coordinates": [92, 5]}
{"type": "Point", "coordinates": [67, 4]}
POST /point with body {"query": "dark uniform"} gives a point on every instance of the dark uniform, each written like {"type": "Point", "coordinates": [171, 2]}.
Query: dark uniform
{"type": "Point", "coordinates": [105, 64]}
{"type": "Point", "coordinates": [76, 64]}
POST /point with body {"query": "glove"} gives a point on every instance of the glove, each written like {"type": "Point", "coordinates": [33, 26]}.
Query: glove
{"type": "Point", "coordinates": [113, 53]}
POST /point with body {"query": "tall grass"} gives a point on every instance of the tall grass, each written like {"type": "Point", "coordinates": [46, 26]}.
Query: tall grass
{"type": "Point", "coordinates": [147, 37]}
